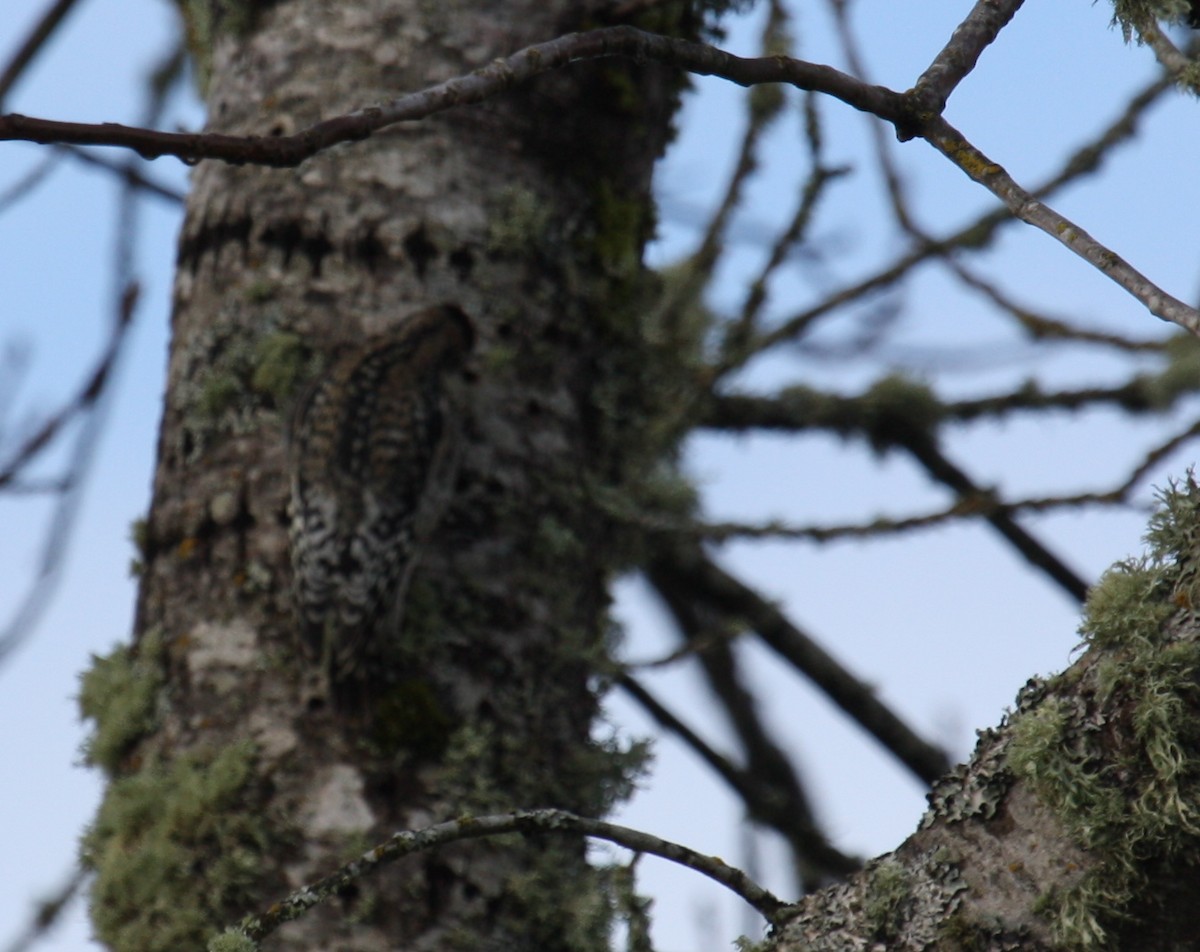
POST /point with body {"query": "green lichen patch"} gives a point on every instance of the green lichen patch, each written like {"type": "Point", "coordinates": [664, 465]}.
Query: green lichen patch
{"type": "Point", "coordinates": [1181, 375]}
{"type": "Point", "coordinates": [887, 898]}
{"type": "Point", "coordinates": [897, 401]}
{"type": "Point", "coordinates": [139, 535]}
{"type": "Point", "coordinates": [175, 851]}
{"type": "Point", "coordinates": [519, 224]}
{"type": "Point", "coordinates": [1112, 750]}
{"type": "Point", "coordinates": [556, 911]}
{"type": "Point", "coordinates": [205, 21]}
{"type": "Point", "coordinates": [408, 717]}
{"type": "Point", "coordinates": [232, 940]}
{"type": "Point", "coordinates": [280, 361]}
{"type": "Point", "coordinates": [622, 223]}
{"type": "Point", "coordinates": [238, 369]}
{"type": "Point", "coordinates": [975, 789]}
{"type": "Point", "coordinates": [1132, 15]}
{"type": "Point", "coordinates": [119, 692]}
{"type": "Point", "coordinates": [1126, 605]}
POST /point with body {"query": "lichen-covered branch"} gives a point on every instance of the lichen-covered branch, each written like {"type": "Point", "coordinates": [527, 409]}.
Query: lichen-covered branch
{"type": "Point", "coordinates": [528, 822]}
{"type": "Point", "coordinates": [1075, 823]}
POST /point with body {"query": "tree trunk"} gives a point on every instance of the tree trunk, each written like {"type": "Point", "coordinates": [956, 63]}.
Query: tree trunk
{"type": "Point", "coordinates": [234, 777]}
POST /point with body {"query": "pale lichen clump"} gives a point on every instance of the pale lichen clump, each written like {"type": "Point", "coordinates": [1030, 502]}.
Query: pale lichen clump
{"type": "Point", "coordinates": [1132, 15]}
{"type": "Point", "coordinates": [1108, 748]}
{"type": "Point", "coordinates": [166, 833]}
{"type": "Point", "coordinates": [158, 816]}
{"type": "Point", "coordinates": [119, 693]}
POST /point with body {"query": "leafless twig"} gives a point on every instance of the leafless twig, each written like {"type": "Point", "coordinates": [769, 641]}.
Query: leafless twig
{"type": "Point", "coordinates": [528, 822]}
{"type": "Point", "coordinates": [34, 43]}
{"type": "Point", "coordinates": [762, 799]}
{"type": "Point", "coordinates": [90, 404]}
{"type": "Point", "coordinates": [48, 912]}
{"type": "Point", "coordinates": [902, 110]}
{"type": "Point", "coordinates": [694, 571]}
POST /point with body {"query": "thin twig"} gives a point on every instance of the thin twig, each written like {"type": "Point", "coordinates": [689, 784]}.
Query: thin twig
{"type": "Point", "coordinates": [717, 588]}
{"type": "Point", "coordinates": [34, 43]}
{"type": "Point", "coordinates": [529, 822]}
{"type": "Point", "coordinates": [924, 448]}
{"type": "Point", "coordinates": [775, 777]}
{"type": "Point", "coordinates": [1042, 326]}
{"type": "Point", "coordinates": [954, 62]}
{"type": "Point", "coordinates": [128, 173]}
{"type": "Point", "coordinates": [48, 912]}
{"type": "Point", "coordinates": [799, 409]}
{"type": "Point", "coordinates": [701, 262]}
{"type": "Point", "coordinates": [93, 402]}
{"type": "Point", "coordinates": [83, 401]}
{"type": "Point", "coordinates": [761, 799]}
{"type": "Point", "coordinates": [745, 327]}
{"type": "Point", "coordinates": [901, 110]}
{"type": "Point", "coordinates": [1084, 161]}
{"type": "Point", "coordinates": [23, 187]}
{"type": "Point", "coordinates": [1025, 206]}
{"type": "Point", "coordinates": [476, 87]}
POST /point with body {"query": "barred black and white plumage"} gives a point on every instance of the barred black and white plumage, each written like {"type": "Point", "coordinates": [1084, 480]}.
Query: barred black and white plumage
{"type": "Point", "coordinates": [365, 442]}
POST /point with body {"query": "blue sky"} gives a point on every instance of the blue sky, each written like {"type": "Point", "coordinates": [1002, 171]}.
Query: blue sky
{"type": "Point", "coordinates": [947, 624]}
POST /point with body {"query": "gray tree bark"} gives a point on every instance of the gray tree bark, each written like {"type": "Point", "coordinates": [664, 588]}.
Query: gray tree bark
{"type": "Point", "coordinates": [233, 781]}
{"type": "Point", "coordinates": [235, 776]}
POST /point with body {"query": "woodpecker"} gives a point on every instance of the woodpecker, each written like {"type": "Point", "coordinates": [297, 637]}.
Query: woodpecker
{"type": "Point", "coordinates": [368, 442]}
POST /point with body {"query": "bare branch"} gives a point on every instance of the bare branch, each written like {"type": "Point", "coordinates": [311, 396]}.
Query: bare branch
{"type": "Point", "coordinates": [696, 571]}
{"type": "Point", "coordinates": [1084, 161]}
{"type": "Point", "coordinates": [1042, 326]}
{"type": "Point", "coordinates": [950, 142]}
{"type": "Point", "coordinates": [899, 109]}
{"type": "Point", "coordinates": [90, 404]}
{"type": "Point", "coordinates": [482, 84]}
{"type": "Point", "coordinates": [923, 447]}
{"type": "Point", "coordinates": [34, 43]}
{"type": "Point", "coordinates": [742, 330]}
{"type": "Point", "coordinates": [49, 910]}
{"type": "Point", "coordinates": [902, 415]}
{"type": "Point", "coordinates": [891, 175]}
{"type": "Point", "coordinates": [966, 507]}
{"type": "Point", "coordinates": [951, 66]}
{"type": "Point", "coordinates": [797, 409]}
{"type": "Point", "coordinates": [777, 781]}
{"type": "Point", "coordinates": [762, 111]}
{"type": "Point", "coordinates": [761, 799]}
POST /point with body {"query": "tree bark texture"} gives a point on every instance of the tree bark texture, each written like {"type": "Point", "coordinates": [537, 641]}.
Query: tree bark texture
{"type": "Point", "coordinates": [232, 780]}
{"type": "Point", "coordinates": [1076, 822]}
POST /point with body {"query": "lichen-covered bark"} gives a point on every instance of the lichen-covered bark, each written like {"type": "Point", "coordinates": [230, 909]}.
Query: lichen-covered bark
{"type": "Point", "coordinates": [1076, 823]}
{"type": "Point", "coordinates": [528, 213]}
